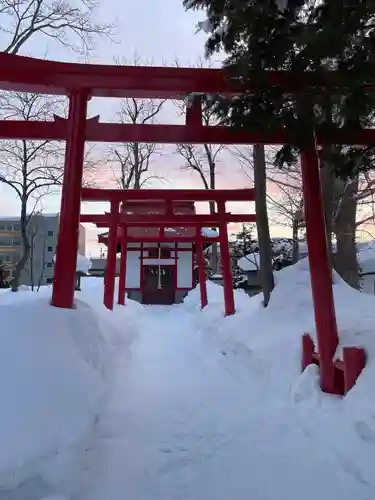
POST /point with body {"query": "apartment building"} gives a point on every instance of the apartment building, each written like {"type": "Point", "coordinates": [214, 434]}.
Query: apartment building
{"type": "Point", "coordinates": [10, 244]}
{"type": "Point", "coordinates": [42, 234]}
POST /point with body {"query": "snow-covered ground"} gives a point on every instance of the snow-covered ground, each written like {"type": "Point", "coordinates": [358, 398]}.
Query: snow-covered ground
{"type": "Point", "coordinates": [174, 403]}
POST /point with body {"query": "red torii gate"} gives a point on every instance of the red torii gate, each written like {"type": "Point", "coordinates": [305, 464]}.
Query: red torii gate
{"type": "Point", "coordinates": [80, 82]}
{"type": "Point", "coordinates": [116, 219]}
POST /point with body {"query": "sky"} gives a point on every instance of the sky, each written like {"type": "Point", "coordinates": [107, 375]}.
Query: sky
{"type": "Point", "coordinates": [160, 33]}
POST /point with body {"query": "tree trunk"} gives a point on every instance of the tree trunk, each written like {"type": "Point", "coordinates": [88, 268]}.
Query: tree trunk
{"type": "Point", "coordinates": [265, 250]}
{"type": "Point", "coordinates": [345, 228]}
{"type": "Point", "coordinates": [25, 248]}
{"type": "Point", "coordinates": [295, 253]}
{"type": "Point", "coordinates": [137, 172]}
{"type": "Point", "coordinates": [32, 243]}
{"type": "Point", "coordinates": [327, 177]}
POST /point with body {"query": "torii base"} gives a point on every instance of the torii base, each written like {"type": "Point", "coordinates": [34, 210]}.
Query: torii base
{"type": "Point", "coordinates": [346, 371]}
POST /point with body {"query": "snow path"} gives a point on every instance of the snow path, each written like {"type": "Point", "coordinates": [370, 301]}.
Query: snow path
{"type": "Point", "coordinates": [180, 424]}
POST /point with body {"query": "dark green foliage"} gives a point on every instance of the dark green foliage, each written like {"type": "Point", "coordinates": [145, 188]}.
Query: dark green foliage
{"type": "Point", "coordinates": [315, 36]}
{"type": "Point", "coordinates": [243, 243]}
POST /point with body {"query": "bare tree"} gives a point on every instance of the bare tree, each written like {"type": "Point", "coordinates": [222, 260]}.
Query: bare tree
{"type": "Point", "coordinates": [32, 169]}
{"type": "Point", "coordinates": [340, 213]}
{"type": "Point", "coordinates": [131, 162]}
{"type": "Point", "coordinates": [203, 159]}
{"type": "Point", "coordinates": [265, 249]}
{"type": "Point", "coordinates": [253, 160]}
{"type": "Point", "coordinates": [341, 204]}
{"type": "Point", "coordinates": [71, 24]}
{"type": "Point", "coordinates": [29, 168]}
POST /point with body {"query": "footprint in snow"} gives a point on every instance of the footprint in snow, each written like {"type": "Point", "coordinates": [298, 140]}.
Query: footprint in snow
{"type": "Point", "coordinates": [365, 432]}
{"type": "Point", "coordinates": [350, 467]}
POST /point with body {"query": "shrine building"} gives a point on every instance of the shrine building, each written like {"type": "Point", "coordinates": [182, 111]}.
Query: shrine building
{"type": "Point", "coordinates": [159, 264]}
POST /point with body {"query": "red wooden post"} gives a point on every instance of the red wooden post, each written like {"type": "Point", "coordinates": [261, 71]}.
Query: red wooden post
{"type": "Point", "coordinates": [67, 247]}
{"type": "Point", "coordinates": [122, 278]}
{"type": "Point", "coordinates": [225, 264]}
{"type": "Point", "coordinates": [201, 270]}
{"type": "Point", "coordinates": [320, 271]}
{"type": "Point", "coordinates": [307, 350]}
{"type": "Point", "coordinates": [354, 362]}
{"type": "Point", "coordinates": [193, 116]}
{"type": "Point", "coordinates": [110, 271]}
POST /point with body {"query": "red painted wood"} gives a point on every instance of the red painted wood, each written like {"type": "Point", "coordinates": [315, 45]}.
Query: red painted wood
{"type": "Point", "coordinates": [320, 272]}
{"type": "Point", "coordinates": [176, 257]}
{"type": "Point", "coordinates": [67, 247]}
{"type": "Point", "coordinates": [201, 273]}
{"type": "Point", "coordinates": [110, 271]}
{"type": "Point", "coordinates": [28, 74]}
{"type": "Point", "coordinates": [165, 207]}
{"type": "Point", "coordinates": [307, 350]}
{"type": "Point", "coordinates": [345, 371]}
{"type": "Point", "coordinates": [226, 265]}
{"type": "Point", "coordinates": [354, 361]}
{"type": "Point", "coordinates": [166, 295]}
{"type": "Point", "coordinates": [161, 221]}
{"type": "Point", "coordinates": [122, 277]}
{"type": "Point", "coordinates": [93, 194]}
{"type": "Point", "coordinates": [193, 116]}
{"type": "Point", "coordinates": [173, 134]}
{"type": "Point", "coordinates": [103, 239]}
{"type": "Point", "coordinates": [141, 271]}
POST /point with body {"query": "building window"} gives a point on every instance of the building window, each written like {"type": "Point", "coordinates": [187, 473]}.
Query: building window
{"type": "Point", "coordinates": [50, 233]}
{"type": "Point", "coordinates": [49, 264]}
{"type": "Point", "coordinates": [16, 242]}
{"type": "Point", "coordinates": [16, 226]}
{"type": "Point", "coordinates": [50, 249]}
{"type": "Point", "coordinates": [5, 241]}
{"type": "Point", "coordinates": [49, 280]}
{"type": "Point", "coordinates": [6, 226]}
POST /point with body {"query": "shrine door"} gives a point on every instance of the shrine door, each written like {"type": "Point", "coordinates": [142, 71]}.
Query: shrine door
{"type": "Point", "coordinates": [158, 285]}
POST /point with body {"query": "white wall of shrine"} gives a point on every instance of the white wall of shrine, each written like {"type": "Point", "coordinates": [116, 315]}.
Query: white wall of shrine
{"type": "Point", "coordinates": [184, 265]}
{"type": "Point", "coordinates": [133, 269]}
{"type": "Point", "coordinates": [184, 270]}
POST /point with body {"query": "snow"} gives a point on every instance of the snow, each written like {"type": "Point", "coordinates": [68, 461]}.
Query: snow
{"type": "Point", "coordinates": [175, 403]}
{"type": "Point", "coordinates": [55, 365]}
{"type": "Point", "coordinates": [249, 262]}
{"type": "Point", "coordinates": [205, 26]}
{"type": "Point", "coordinates": [205, 231]}
{"type": "Point", "coordinates": [83, 265]}
{"type": "Point", "coordinates": [209, 233]}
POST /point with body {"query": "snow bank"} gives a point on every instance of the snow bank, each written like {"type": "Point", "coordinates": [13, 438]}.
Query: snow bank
{"type": "Point", "coordinates": [249, 262]}
{"type": "Point", "coordinates": [83, 264]}
{"type": "Point", "coordinates": [55, 365]}
{"type": "Point", "coordinates": [266, 343]}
